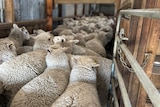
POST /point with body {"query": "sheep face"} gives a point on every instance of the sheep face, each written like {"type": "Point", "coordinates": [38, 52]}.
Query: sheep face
{"type": "Point", "coordinates": [59, 39]}
{"type": "Point", "coordinates": [7, 50]}
{"type": "Point", "coordinates": [37, 32]}
{"type": "Point", "coordinates": [56, 56]}
{"type": "Point", "coordinates": [43, 41]}
{"type": "Point", "coordinates": [26, 35]}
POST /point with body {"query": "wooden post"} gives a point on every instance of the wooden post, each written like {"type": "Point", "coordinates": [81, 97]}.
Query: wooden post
{"type": "Point", "coordinates": [49, 7]}
{"type": "Point", "coordinates": [9, 11]}
{"type": "Point", "coordinates": [117, 6]}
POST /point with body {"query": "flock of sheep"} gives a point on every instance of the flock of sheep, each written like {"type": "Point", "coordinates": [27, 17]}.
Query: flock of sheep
{"type": "Point", "coordinates": [65, 68]}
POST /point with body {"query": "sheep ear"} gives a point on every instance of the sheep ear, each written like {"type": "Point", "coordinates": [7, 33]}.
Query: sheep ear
{"type": "Point", "coordinates": [15, 26]}
{"type": "Point", "coordinates": [96, 65]}
{"type": "Point", "coordinates": [65, 48]}
{"type": "Point", "coordinates": [35, 31]}
{"type": "Point", "coordinates": [74, 41]}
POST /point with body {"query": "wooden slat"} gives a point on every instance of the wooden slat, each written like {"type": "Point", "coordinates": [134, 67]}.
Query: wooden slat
{"type": "Point", "coordinates": [152, 44]}
{"type": "Point", "coordinates": [143, 78]}
{"type": "Point", "coordinates": [49, 4]}
{"type": "Point", "coordinates": [4, 26]}
{"type": "Point", "coordinates": [158, 49]}
{"type": "Point", "coordinates": [155, 79]}
{"type": "Point", "coordinates": [133, 45]}
{"type": "Point", "coordinates": [9, 13]}
{"type": "Point", "coordinates": [83, 1]}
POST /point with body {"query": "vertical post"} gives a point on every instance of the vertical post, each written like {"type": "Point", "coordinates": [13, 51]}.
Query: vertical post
{"type": "Point", "coordinates": [117, 5]}
{"type": "Point", "coordinates": [49, 6]}
{"type": "Point", "coordinates": [9, 11]}
{"type": "Point", "coordinates": [75, 9]}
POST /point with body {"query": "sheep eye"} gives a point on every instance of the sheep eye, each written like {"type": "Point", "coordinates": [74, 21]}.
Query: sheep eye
{"type": "Point", "coordinates": [48, 50]}
{"type": "Point", "coordinates": [49, 39]}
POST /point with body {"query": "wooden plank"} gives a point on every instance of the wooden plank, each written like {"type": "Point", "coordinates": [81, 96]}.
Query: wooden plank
{"type": "Point", "coordinates": [9, 13]}
{"type": "Point", "coordinates": [133, 29]}
{"type": "Point", "coordinates": [4, 26]}
{"type": "Point", "coordinates": [158, 49]}
{"type": "Point", "coordinates": [83, 1]}
{"type": "Point", "coordinates": [125, 24]}
{"type": "Point", "coordinates": [117, 6]}
{"type": "Point", "coordinates": [49, 6]}
{"type": "Point", "coordinates": [155, 79]}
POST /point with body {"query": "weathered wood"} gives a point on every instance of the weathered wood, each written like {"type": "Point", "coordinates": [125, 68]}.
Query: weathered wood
{"type": "Point", "coordinates": [126, 75]}
{"type": "Point", "coordinates": [49, 14]}
{"type": "Point", "coordinates": [152, 44]}
{"type": "Point", "coordinates": [83, 1]}
{"type": "Point", "coordinates": [117, 6]}
{"type": "Point", "coordinates": [30, 25]}
{"type": "Point", "coordinates": [9, 13]}
{"type": "Point", "coordinates": [4, 26]}
{"type": "Point", "coordinates": [155, 79]}
{"type": "Point", "coordinates": [158, 49]}
{"type": "Point", "coordinates": [130, 79]}
{"type": "Point", "coordinates": [146, 82]}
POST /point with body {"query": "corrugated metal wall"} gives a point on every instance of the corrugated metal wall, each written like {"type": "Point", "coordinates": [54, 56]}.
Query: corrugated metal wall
{"type": "Point", "coordinates": [29, 9]}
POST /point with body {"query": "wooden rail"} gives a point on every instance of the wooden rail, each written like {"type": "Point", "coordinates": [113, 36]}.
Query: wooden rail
{"type": "Point", "coordinates": [82, 1]}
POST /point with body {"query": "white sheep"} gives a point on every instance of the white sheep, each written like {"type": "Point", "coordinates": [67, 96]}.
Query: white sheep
{"type": "Point", "coordinates": [24, 49]}
{"type": "Point", "coordinates": [103, 76]}
{"type": "Point", "coordinates": [38, 31]}
{"type": "Point", "coordinates": [73, 48]}
{"type": "Point", "coordinates": [20, 70]}
{"type": "Point", "coordinates": [98, 43]}
{"type": "Point", "coordinates": [81, 91]}
{"type": "Point", "coordinates": [58, 30]}
{"type": "Point", "coordinates": [7, 50]}
{"type": "Point", "coordinates": [43, 90]}
{"type": "Point", "coordinates": [43, 41]}
{"type": "Point", "coordinates": [18, 35]}
{"type": "Point", "coordinates": [66, 32]}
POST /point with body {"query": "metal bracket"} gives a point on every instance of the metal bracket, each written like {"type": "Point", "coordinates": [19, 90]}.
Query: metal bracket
{"type": "Point", "coordinates": [122, 35]}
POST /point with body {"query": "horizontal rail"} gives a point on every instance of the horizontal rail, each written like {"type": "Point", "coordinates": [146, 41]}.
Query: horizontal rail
{"type": "Point", "coordinates": [147, 13]}
{"type": "Point", "coordinates": [143, 78]}
{"type": "Point", "coordinates": [123, 89]}
{"type": "Point", "coordinates": [61, 18]}
{"type": "Point", "coordinates": [82, 1]}
{"type": "Point", "coordinates": [4, 26]}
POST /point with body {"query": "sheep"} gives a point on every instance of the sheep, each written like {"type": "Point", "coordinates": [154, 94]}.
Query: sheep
{"type": "Point", "coordinates": [43, 41]}
{"type": "Point", "coordinates": [81, 91]}
{"type": "Point", "coordinates": [43, 90]}
{"type": "Point", "coordinates": [24, 49]}
{"type": "Point", "coordinates": [38, 31]}
{"type": "Point", "coordinates": [103, 76]}
{"type": "Point", "coordinates": [20, 70]}
{"type": "Point", "coordinates": [58, 30]}
{"type": "Point", "coordinates": [18, 35]}
{"type": "Point", "coordinates": [98, 43]}
{"type": "Point", "coordinates": [75, 49]}
{"type": "Point", "coordinates": [66, 32]}
{"type": "Point", "coordinates": [7, 50]}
